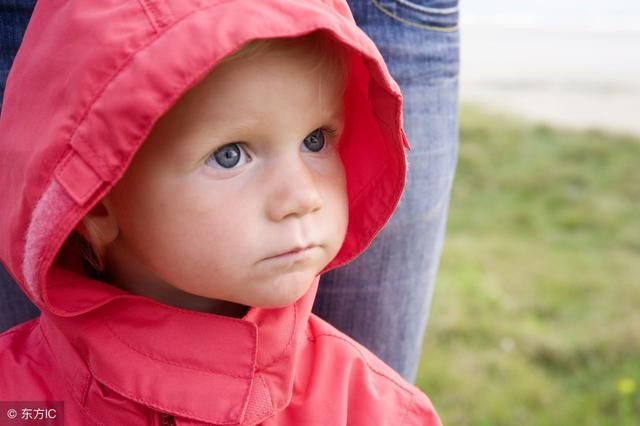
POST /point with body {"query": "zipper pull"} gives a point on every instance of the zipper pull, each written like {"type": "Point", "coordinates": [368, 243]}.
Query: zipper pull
{"type": "Point", "coordinates": [167, 420]}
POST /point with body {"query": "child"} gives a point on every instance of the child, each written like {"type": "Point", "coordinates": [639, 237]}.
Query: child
{"type": "Point", "coordinates": [176, 285]}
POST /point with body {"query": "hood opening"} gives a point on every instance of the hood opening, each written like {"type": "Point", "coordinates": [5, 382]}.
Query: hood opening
{"type": "Point", "coordinates": [73, 162]}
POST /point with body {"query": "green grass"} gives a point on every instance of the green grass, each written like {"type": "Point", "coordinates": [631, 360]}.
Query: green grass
{"type": "Point", "coordinates": [536, 314]}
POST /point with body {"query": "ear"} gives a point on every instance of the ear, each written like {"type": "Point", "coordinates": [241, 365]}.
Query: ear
{"type": "Point", "coordinates": [100, 227]}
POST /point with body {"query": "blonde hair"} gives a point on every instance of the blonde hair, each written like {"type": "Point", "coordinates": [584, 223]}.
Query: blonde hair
{"type": "Point", "coordinates": [330, 55]}
{"type": "Point", "coordinates": [92, 245]}
{"type": "Point", "coordinates": [328, 58]}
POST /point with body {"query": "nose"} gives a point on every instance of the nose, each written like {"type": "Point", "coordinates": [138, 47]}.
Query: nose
{"type": "Point", "coordinates": [293, 191]}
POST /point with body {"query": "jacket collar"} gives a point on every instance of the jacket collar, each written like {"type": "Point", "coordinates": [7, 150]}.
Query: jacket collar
{"type": "Point", "coordinates": [238, 371]}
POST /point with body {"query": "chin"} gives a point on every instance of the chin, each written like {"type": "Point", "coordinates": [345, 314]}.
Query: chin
{"type": "Point", "coordinates": [284, 290]}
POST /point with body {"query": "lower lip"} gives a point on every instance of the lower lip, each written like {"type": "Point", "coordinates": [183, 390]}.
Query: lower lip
{"type": "Point", "coordinates": [294, 256]}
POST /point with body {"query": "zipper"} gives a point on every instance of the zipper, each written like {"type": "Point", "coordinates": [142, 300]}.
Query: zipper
{"type": "Point", "coordinates": [167, 420]}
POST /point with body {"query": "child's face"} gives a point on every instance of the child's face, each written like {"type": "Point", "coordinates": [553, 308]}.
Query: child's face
{"type": "Point", "coordinates": [235, 196]}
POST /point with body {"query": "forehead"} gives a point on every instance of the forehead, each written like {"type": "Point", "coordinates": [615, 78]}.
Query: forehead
{"type": "Point", "coordinates": [277, 83]}
{"type": "Point", "coordinates": [281, 74]}
{"type": "Point", "coordinates": [278, 68]}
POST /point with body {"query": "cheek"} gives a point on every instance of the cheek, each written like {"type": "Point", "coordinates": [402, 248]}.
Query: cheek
{"type": "Point", "coordinates": [187, 219]}
{"type": "Point", "coordinates": [197, 237]}
{"type": "Point", "coordinates": [207, 220]}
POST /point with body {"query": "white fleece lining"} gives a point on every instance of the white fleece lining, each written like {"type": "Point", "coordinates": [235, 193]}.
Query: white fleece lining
{"type": "Point", "coordinates": [46, 220]}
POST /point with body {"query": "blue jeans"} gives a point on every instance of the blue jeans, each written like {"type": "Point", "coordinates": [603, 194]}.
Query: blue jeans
{"type": "Point", "coordinates": [382, 299]}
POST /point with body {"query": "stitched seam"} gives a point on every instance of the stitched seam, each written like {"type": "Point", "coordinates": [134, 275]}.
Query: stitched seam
{"type": "Point", "coordinates": [397, 188]}
{"type": "Point", "coordinates": [145, 46]}
{"type": "Point", "coordinates": [392, 15]}
{"type": "Point", "coordinates": [125, 64]}
{"type": "Point", "coordinates": [47, 256]}
{"type": "Point", "coordinates": [387, 213]}
{"type": "Point", "coordinates": [409, 407]}
{"type": "Point", "coordinates": [63, 166]}
{"type": "Point", "coordinates": [431, 10]}
{"type": "Point", "coordinates": [371, 183]}
{"type": "Point", "coordinates": [85, 392]}
{"type": "Point", "coordinates": [35, 287]}
{"type": "Point", "coordinates": [388, 207]}
{"type": "Point", "coordinates": [310, 336]}
{"type": "Point", "coordinates": [264, 382]}
{"type": "Point", "coordinates": [98, 94]}
{"type": "Point", "coordinates": [374, 370]}
{"type": "Point", "coordinates": [155, 16]}
{"type": "Point", "coordinates": [93, 375]}
{"type": "Point", "coordinates": [156, 404]}
{"type": "Point", "coordinates": [175, 364]}
{"type": "Point", "coordinates": [64, 163]}
{"type": "Point", "coordinates": [282, 354]}
{"type": "Point", "coordinates": [73, 393]}
{"type": "Point", "coordinates": [148, 13]}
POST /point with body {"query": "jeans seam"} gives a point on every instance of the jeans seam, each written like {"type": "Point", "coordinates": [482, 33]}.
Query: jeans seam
{"type": "Point", "coordinates": [392, 15]}
{"type": "Point", "coordinates": [431, 10]}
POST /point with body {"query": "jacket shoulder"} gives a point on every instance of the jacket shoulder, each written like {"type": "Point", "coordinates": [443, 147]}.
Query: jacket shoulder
{"type": "Point", "coordinates": [15, 342]}
{"type": "Point", "coordinates": [373, 392]}
{"type": "Point", "coordinates": [24, 363]}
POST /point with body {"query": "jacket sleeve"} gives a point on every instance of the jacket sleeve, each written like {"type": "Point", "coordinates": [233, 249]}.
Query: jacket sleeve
{"type": "Point", "coordinates": [421, 412]}
{"type": "Point", "coordinates": [353, 386]}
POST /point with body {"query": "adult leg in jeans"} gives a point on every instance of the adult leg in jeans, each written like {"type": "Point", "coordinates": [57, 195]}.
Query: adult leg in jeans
{"type": "Point", "coordinates": [382, 299]}
{"type": "Point", "coordinates": [14, 16]}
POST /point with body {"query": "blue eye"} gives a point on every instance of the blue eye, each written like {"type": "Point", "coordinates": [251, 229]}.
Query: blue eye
{"type": "Point", "coordinates": [314, 142]}
{"type": "Point", "coordinates": [228, 156]}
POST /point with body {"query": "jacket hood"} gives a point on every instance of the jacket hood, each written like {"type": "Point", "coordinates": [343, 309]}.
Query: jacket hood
{"type": "Point", "coordinates": [89, 81]}
{"type": "Point", "coordinates": [92, 77]}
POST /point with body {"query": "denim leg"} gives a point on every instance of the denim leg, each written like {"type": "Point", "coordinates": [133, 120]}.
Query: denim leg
{"type": "Point", "coordinates": [382, 299]}
{"type": "Point", "coordinates": [14, 16]}
{"type": "Point", "coordinates": [14, 305]}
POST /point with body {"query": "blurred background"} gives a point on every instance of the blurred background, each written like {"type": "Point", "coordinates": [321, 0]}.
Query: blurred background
{"type": "Point", "coordinates": [536, 314]}
{"type": "Point", "coordinates": [570, 62]}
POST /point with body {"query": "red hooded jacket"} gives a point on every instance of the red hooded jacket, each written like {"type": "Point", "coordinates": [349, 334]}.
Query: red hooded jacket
{"type": "Point", "coordinates": [90, 80]}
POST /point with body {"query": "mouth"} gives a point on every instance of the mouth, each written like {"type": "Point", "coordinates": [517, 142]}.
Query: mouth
{"type": "Point", "coordinates": [296, 252]}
